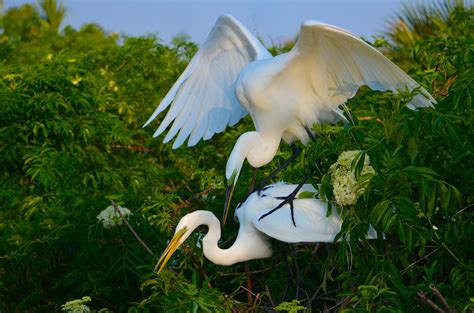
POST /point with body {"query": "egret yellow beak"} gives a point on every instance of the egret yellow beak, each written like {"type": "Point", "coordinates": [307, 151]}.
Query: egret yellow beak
{"type": "Point", "coordinates": [228, 197]}
{"type": "Point", "coordinates": [171, 248]}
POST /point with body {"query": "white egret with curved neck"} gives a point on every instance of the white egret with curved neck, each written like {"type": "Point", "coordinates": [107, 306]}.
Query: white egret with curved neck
{"type": "Point", "coordinates": [233, 75]}
{"type": "Point", "coordinates": [252, 242]}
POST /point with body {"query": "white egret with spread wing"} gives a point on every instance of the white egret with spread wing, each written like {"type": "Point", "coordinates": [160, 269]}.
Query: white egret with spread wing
{"type": "Point", "coordinates": [252, 242]}
{"type": "Point", "coordinates": [233, 75]}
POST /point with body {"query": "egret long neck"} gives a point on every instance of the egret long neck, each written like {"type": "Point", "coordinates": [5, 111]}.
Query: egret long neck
{"type": "Point", "coordinates": [249, 244]}
{"type": "Point", "coordinates": [259, 151]}
{"type": "Point", "coordinates": [265, 150]}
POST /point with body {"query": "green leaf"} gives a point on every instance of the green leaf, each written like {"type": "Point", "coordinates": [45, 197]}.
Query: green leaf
{"type": "Point", "coordinates": [412, 147]}
{"type": "Point", "coordinates": [307, 195]}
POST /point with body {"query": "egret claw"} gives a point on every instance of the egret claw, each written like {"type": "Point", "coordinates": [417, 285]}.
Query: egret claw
{"type": "Point", "coordinates": [287, 200]}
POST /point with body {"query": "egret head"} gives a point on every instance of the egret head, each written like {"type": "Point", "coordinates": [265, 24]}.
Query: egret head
{"type": "Point", "coordinates": [178, 238]}
{"type": "Point", "coordinates": [185, 227]}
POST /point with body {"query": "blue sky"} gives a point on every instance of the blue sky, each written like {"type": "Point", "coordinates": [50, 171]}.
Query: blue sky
{"type": "Point", "coordinates": [275, 20]}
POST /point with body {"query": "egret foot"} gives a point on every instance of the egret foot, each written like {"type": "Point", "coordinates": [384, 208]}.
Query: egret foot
{"type": "Point", "coordinates": [287, 200]}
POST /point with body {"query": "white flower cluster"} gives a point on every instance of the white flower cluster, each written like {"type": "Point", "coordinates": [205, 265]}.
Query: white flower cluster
{"type": "Point", "coordinates": [346, 188]}
{"type": "Point", "coordinates": [77, 306]}
{"type": "Point", "coordinates": [110, 218]}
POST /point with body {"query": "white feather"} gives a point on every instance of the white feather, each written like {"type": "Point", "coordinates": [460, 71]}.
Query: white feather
{"type": "Point", "coordinates": [214, 68]}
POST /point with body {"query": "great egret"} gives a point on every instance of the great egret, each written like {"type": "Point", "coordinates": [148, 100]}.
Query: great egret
{"type": "Point", "coordinates": [313, 225]}
{"type": "Point", "coordinates": [233, 75]}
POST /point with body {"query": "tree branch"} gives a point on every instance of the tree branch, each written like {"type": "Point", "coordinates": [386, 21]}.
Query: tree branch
{"type": "Point", "coordinates": [132, 230]}
{"type": "Point", "coordinates": [425, 299]}
{"type": "Point", "coordinates": [440, 297]}
{"type": "Point", "coordinates": [132, 148]}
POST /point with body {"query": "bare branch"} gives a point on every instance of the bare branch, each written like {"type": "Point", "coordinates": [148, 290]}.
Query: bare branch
{"type": "Point", "coordinates": [132, 230]}
{"type": "Point", "coordinates": [132, 148]}
{"type": "Point", "coordinates": [425, 299]}
{"type": "Point", "coordinates": [441, 298]}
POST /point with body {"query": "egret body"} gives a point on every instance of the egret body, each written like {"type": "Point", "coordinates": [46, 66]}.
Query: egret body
{"type": "Point", "coordinates": [233, 75]}
{"type": "Point", "coordinates": [252, 242]}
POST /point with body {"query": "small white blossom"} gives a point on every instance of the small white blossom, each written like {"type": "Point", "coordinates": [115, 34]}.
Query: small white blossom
{"type": "Point", "coordinates": [434, 227]}
{"type": "Point", "coordinates": [77, 306]}
{"type": "Point", "coordinates": [110, 218]}
{"type": "Point", "coordinates": [346, 188]}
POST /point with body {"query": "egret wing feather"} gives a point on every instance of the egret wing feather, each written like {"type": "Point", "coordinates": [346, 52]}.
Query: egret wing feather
{"type": "Point", "coordinates": [312, 224]}
{"type": "Point", "coordinates": [196, 113]}
{"type": "Point", "coordinates": [181, 115]}
{"type": "Point", "coordinates": [185, 123]}
{"type": "Point", "coordinates": [337, 63]}
{"type": "Point", "coordinates": [280, 188]}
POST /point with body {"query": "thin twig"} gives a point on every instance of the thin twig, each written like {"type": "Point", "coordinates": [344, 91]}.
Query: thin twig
{"type": "Point", "coordinates": [132, 148]}
{"type": "Point", "coordinates": [341, 304]}
{"type": "Point", "coordinates": [132, 230]}
{"type": "Point", "coordinates": [441, 298]}
{"type": "Point", "coordinates": [464, 209]}
{"type": "Point", "coordinates": [251, 272]}
{"type": "Point", "coordinates": [425, 299]}
{"type": "Point", "coordinates": [417, 261]}
{"type": "Point", "coordinates": [256, 301]}
{"type": "Point", "coordinates": [270, 296]}
{"type": "Point", "coordinates": [297, 272]}
{"type": "Point", "coordinates": [248, 291]}
{"type": "Point", "coordinates": [319, 289]}
{"type": "Point", "coordinates": [249, 283]}
{"type": "Point", "coordinates": [316, 248]}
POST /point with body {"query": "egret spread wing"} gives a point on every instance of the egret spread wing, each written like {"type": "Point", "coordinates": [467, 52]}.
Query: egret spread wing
{"type": "Point", "coordinates": [337, 63]}
{"type": "Point", "coordinates": [203, 100]}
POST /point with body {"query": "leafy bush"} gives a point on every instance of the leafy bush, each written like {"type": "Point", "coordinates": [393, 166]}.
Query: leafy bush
{"type": "Point", "coordinates": [72, 107]}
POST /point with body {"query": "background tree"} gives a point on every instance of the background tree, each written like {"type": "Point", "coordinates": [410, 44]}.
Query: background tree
{"type": "Point", "coordinates": [53, 14]}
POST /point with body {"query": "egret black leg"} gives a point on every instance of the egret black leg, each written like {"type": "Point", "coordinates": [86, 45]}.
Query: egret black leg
{"type": "Point", "coordinates": [310, 134]}
{"type": "Point", "coordinates": [313, 138]}
{"type": "Point", "coordinates": [254, 180]}
{"type": "Point", "coordinates": [291, 197]}
{"type": "Point", "coordinates": [287, 200]}
{"type": "Point", "coordinates": [294, 155]}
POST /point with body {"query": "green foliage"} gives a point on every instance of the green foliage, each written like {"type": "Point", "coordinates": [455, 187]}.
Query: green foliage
{"type": "Point", "coordinates": [171, 293]}
{"type": "Point", "coordinates": [291, 307]}
{"type": "Point", "coordinates": [72, 106]}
